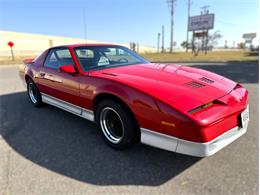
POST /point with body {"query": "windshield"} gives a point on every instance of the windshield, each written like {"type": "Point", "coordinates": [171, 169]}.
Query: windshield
{"type": "Point", "coordinates": [98, 57]}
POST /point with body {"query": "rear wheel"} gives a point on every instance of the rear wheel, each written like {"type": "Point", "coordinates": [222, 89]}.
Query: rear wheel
{"type": "Point", "coordinates": [117, 126]}
{"type": "Point", "coordinates": [33, 93]}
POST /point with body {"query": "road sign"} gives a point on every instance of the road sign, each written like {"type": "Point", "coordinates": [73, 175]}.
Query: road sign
{"type": "Point", "coordinates": [248, 41]}
{"type": "Point", "coordinates": [201, 22]}
{"type": "Point", "coordinates": [249, 36]}
{"type": "Point", "coordinates": [200, 34]}
{"type": "Point", "coordinates": [10, 44]}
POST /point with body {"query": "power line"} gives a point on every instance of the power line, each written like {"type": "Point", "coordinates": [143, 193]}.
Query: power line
{"type": "Point", "coordinates": [232, 24]}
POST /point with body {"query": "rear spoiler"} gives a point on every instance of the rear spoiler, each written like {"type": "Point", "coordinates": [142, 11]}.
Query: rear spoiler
{"type": "Point", "coordinates": [28, 61]}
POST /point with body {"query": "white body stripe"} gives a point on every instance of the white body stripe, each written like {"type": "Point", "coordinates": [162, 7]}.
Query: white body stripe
{"type": "Point", "coordinates": [85, 113]}
{"type": "Point", "coordinates": [160, 140]}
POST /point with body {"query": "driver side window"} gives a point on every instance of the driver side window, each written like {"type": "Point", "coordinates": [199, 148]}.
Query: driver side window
{"type": "Point", "coordinates": [57, 58]}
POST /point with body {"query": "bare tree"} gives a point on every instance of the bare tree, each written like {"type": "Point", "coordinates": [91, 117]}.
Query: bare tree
{"type": "Point", "coordinates": [214, 38]}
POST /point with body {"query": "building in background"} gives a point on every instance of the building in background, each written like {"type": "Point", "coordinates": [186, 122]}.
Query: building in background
{"type": "Point", "coordinates": [26, 44]}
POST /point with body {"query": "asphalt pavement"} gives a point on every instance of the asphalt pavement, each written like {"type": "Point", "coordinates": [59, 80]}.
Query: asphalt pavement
{"type": "Point", "coordinates": [49, 151]}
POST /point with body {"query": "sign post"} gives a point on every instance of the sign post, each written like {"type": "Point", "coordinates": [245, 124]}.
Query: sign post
{"type": "Point", "coordinates": [249, 38]}
{"type": "Point", "coordinates": [11, 44]}
{"type": "Point", "coordinates": [201, 22]}
{"type": "Point", "coordinates": [200, 26]}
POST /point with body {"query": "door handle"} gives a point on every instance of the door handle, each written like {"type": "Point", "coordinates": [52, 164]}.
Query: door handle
{"type": "Point", "coordinates": [42, 74]}
{"type": "Point", "coordinates": [51, 78]}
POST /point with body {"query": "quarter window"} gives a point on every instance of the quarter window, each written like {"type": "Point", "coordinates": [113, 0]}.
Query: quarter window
{"type": "Point", "coordinates": [57, 58]}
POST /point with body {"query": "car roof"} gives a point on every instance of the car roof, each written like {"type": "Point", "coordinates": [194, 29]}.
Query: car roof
{"type": "Point", "coordinates": [85, 44]}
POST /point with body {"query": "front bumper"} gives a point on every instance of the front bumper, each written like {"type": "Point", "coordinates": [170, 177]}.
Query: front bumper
{"type": "Point", "coordinates": [209, 148]}
{"type": "Point", "coordinates": [174, 144]}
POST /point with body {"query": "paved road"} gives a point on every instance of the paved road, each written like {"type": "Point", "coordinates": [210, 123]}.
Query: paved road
{"type": "Point", "coordinates": [50, 151]}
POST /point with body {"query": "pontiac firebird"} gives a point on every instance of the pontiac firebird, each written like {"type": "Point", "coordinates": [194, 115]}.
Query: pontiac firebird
{"type": "Point", "coordinates": [172, 107]}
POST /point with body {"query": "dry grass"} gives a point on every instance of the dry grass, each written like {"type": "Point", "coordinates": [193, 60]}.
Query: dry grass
{"type": "Point", "coordinates": [220, 56]}
{"type": "Point", "coordinates": [17, 60]}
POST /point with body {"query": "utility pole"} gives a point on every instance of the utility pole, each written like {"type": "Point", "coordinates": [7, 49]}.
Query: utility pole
{"type": "Point", "coordinates": [158, 42]}
{"type": "Point", "coordinates": [162, 38]}
{"type": "Point", "coordinates": [85, 24]}
{"type": "Point", "coordinates": [204, 9]}
{"type": "Point", "coordinates": [187, 39]}
{"type": "Point", "coordinates": [171, 6]}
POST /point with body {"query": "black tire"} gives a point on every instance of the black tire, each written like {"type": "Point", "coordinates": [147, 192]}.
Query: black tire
{"type": "Point", "coordinates": [34, 94]}
{"type": "Point", "coordinates": [110, 114]}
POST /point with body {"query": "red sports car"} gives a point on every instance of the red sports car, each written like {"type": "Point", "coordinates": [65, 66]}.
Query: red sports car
{"type": "Point", "coordinates": [176, 108]}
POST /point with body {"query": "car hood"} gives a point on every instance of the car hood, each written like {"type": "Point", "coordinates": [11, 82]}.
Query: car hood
{"type": "Point", "coordinates": [180, 86]}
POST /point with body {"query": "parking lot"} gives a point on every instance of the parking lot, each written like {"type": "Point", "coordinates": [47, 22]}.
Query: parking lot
{"type": "Point", "coordinates": [49, 151]}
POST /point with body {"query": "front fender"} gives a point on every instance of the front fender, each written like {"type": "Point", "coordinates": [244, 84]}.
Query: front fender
{"type": "Point", "coordinates": [142, 105]}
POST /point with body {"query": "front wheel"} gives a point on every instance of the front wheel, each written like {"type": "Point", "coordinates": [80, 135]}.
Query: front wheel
{"type": "Point", "coordinates": [117, 125]}
{"type": "Point", "coordinates": [34, 94]}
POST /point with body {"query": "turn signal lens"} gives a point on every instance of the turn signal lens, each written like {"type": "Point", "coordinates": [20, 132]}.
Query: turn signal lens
{"type": "Point", "coordinates": [201, 107]}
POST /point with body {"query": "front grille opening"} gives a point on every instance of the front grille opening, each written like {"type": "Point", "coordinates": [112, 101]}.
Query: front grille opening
{"type": "Point", "coordinates": [194, 84]}
{"type": "Point", "coordinates": [206, 80]}
{"type": "Point", "coordinates": [215, 102]}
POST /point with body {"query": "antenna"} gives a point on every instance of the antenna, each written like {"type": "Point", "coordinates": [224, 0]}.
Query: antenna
{"type": "Point", "coordinates": [85, 24]}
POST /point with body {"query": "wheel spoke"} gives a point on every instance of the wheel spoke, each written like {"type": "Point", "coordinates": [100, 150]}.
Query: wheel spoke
{"type": "Point", "coordinates": [32, 93]}
{"type": "Point", "coordinates": [111, 125]}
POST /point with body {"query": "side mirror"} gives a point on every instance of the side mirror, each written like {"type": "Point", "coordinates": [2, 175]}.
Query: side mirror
{"type": "Point", "coordinates": [67, 68]}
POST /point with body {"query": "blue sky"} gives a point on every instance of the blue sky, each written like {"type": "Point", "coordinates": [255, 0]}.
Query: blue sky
{"type": "Point", "coordinates": [125, 20]}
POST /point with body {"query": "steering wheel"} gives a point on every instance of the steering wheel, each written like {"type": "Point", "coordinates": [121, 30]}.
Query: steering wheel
{"type": "Point", "coordinates": [124, 60]}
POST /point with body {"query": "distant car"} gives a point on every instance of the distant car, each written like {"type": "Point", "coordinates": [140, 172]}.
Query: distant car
{"type": "Point", "coordinates": [254, 48]}
{"type": "Point", "coordinates": [176, 108]}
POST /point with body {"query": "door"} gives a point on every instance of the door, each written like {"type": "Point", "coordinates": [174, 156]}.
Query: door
{"type": "Point", "coordinates": [59, 87]}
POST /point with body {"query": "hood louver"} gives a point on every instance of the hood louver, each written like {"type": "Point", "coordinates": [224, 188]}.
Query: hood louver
{"type": "Point", "coordinates": [206, 80]}
{"type": "Point", "coordinates": [194, 84]}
